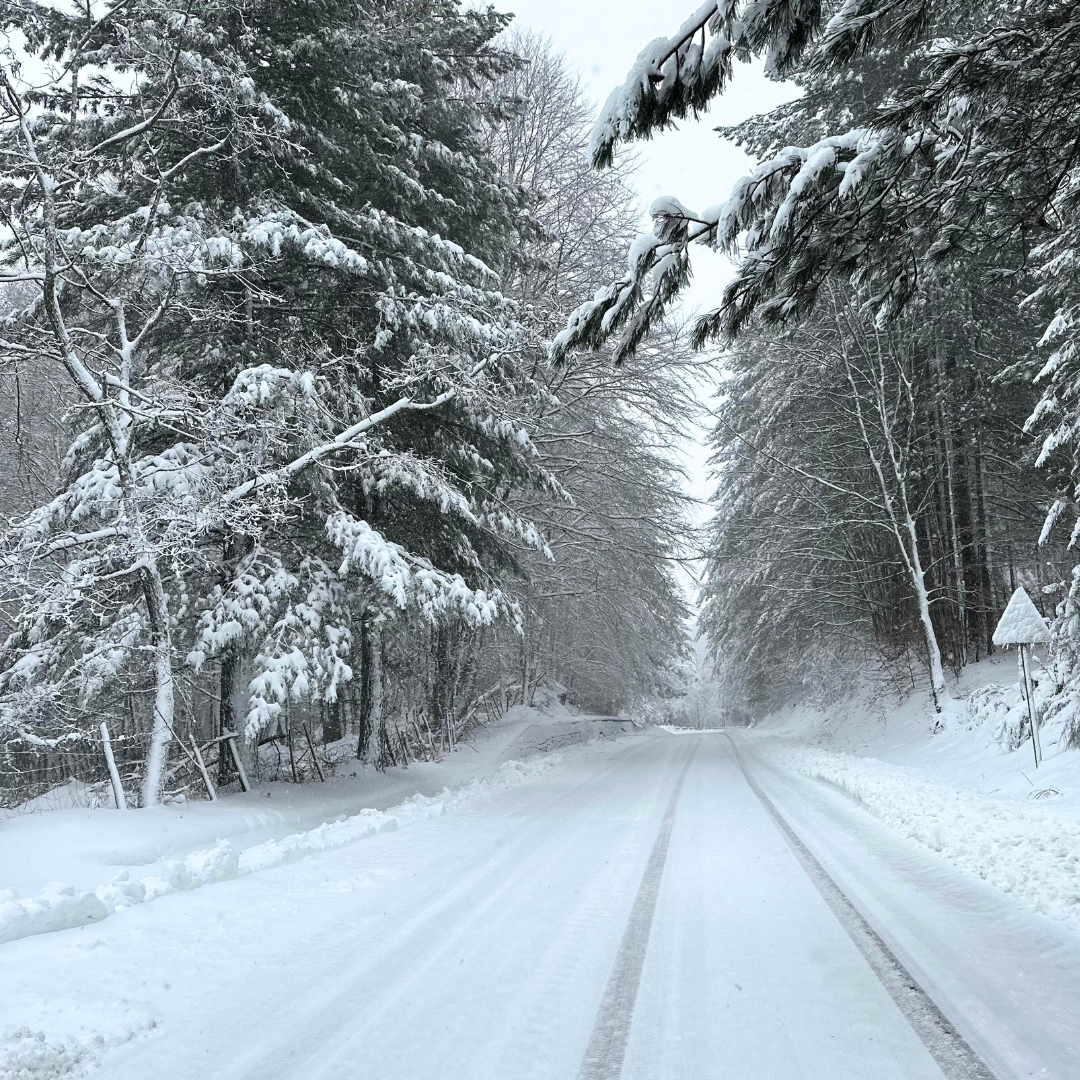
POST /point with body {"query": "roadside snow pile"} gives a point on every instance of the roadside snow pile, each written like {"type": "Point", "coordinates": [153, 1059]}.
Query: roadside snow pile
{"type": "Point", "coordinates": [45, 1053]}
{"type": "Point", "coordinates": [31, 1056]}
{"type": "Point", "coordinates": [1032, 855]}
{"type": "Point", "coordinates": [56, 907]}
{"type": "Point", "coordinates": [59, 906]}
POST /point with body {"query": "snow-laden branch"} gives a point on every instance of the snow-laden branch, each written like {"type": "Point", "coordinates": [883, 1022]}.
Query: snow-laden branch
{"type": "Point", "coordinates": [761, 211]}
{"type": "Point", "coordinates": [74, 540]}
{"type": "Point", "coordinates": [136, 129]}
{"type": "Point", "coordinates": [675, 77]}
{"type": "Point", "coordinates": [342, 441]}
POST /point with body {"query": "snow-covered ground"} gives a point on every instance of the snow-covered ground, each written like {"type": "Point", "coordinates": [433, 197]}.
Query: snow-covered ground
{"type": "Point", "coordinates": [493, 940]}
{"type": "Point", "coordinates": [975, 751]}
{"type": "Point", "coordinates": [961, 783]}
{"type": "Point", "coordinates": [61, 868]}
{"type": "Point", "coordinates": [559, 886]}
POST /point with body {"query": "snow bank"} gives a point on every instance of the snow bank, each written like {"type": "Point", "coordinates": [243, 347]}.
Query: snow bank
{"type": "Point", "coordinates": [33, 1054]}
{"type": "Point", "coordinates": [29, 1055]}
{"type": "Point", "coordinates": [56, 907]}
{"type": "Point", "coordinates": [1031, 854]}
{"type": "Point", "coordinates": [59, 906]}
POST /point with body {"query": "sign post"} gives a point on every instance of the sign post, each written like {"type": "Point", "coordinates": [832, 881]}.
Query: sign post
{"type": "Point", "coordinates": [1022, 625]}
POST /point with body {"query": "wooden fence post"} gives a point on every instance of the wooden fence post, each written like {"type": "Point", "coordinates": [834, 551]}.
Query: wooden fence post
{"type": "Point", "coordinates": [202, 769]}
{"type": "Point", "coordinates": [114, 774]}
{"type": "Point", "coordinates": [230, 738]}
{"type": "Point", "coordinates": [314, 757]}
{"type": "Point", "coordinates": [292, 756]}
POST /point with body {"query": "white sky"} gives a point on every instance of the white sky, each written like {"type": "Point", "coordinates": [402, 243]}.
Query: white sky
{"type": "Point", "coordinates": [602, 38]}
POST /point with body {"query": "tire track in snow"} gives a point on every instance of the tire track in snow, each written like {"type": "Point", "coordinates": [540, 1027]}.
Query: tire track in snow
{"type": "Point", "coordinates": [952, 1052]}
{"type": "Point", "coordinates": [607, 1045]}
{"type": "Point", "coordinates": [323, 1034]}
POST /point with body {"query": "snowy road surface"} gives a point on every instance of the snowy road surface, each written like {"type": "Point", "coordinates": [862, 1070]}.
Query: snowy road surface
{"type": "Point", "coordinates": [638, 912]}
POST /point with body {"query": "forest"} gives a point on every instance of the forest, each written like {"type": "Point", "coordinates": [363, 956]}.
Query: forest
{"type": "Point", "coordinates": [283, 453]}
{"type": "Point", "coordinates": [519, 562]}
{"type": "Point", "coordinates": [895, 426]}
{"type": "Point", "coordinates": [342, 402]}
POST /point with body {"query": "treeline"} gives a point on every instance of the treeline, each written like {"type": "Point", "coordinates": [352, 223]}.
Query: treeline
{"type": "Point", "coordinates": [896, 439]}
{"type": "Point", "coordinates": [878, 498]}
{"type": "Point", "coordinates": [282, 443]}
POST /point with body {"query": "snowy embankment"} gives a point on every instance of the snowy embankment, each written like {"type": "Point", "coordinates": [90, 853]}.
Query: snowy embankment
{"type": "Point", "coordinates": [59, 906]}
{"type": "Point", "coordinates": [1031, 854]}
{"type": "Point", "coordinates": [59, 868]}
{"type": "Point", "coordinates": [58, 838]}
{"type": "Point", "coordinates": [961, 783]}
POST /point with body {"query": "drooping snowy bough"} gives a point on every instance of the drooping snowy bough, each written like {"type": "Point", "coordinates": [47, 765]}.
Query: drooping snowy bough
{"type": "Point", "coordinates": [929, 162]}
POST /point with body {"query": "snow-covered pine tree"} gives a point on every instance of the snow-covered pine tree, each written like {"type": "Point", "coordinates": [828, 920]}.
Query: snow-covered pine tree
{"type": "Point", "coordinates": [247, 225]}
{"type": "Point", "coordinates": [927, 131]}
{"type": "Point", "coordinates": [390, 158]}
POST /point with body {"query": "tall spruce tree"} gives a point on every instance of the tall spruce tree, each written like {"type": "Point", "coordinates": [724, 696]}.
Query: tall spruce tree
{"type": "Point", "coordinates": [260, 237]}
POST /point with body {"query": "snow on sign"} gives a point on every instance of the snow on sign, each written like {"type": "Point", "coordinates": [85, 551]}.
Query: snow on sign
{"type": "Point", "coordinates": [1021, 623]}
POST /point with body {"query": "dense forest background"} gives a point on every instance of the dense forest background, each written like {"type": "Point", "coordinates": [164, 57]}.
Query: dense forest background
{"type": "Point", "coordinates": [895, 427]}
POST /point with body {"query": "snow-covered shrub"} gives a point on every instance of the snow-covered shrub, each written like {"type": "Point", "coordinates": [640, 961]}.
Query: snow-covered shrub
{"type": "Point", "coordinates": [1064, 702]}
{"type": "Point", "coordinates": [1001, 710]}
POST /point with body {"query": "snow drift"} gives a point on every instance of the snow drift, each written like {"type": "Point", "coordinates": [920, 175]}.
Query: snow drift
{"type": "Point", "coordinates": [59, 906]}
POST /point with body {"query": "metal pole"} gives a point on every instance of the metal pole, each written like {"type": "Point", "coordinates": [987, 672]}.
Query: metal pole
{"type": "Point", "coordinates": [114, 774]}
{"type": "Point", "coordinates": [1029, 693]}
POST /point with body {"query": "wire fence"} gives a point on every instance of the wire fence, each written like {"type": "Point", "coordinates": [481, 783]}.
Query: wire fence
{"type": "Point", "coordinates": [68, 771]}
{"type": "Point", "coordinates": [71, 770]}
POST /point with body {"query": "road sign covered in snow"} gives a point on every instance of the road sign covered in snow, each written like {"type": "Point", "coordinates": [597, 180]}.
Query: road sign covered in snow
{"type": "Point", "coordinates": [1021, 624]}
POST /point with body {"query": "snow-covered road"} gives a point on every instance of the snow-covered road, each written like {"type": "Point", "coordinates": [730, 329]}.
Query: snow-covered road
{"type": "Point", "coordinates": [636, 912]}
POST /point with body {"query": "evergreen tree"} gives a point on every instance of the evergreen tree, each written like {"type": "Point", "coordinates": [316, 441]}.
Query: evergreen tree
{"type": "Point", "coordinates": [246, 225]}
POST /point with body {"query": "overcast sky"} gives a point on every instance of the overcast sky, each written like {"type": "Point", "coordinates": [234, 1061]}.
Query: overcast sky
{"type": "Point", "coordinates": [602, 39]}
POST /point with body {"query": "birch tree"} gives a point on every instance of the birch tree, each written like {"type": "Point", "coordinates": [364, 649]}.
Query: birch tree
{"type": "Point", "coordinates": [104, 284]}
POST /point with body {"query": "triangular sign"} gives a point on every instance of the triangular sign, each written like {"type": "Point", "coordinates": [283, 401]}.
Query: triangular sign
{"type": "Point", "coordinates": [1021, 624]}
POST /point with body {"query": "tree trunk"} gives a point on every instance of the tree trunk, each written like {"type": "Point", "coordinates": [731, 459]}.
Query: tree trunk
{"type": "Point", "coordinates": [363, 709]}
{"type": "Point", "coordinates": [950, 490]}
{"type": "Point", "coordinates": [985, 552]}
{"type": "Point", "coordinates": [918, 575]}
{"type": "Point", "coordinates": [238, 696]}
{"type": "Point", "coordinates": [374, 751]}
{"type": "Point", "coordinates": [897, 506]}
{"type": "Point", "coordinates": [161, 732]}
